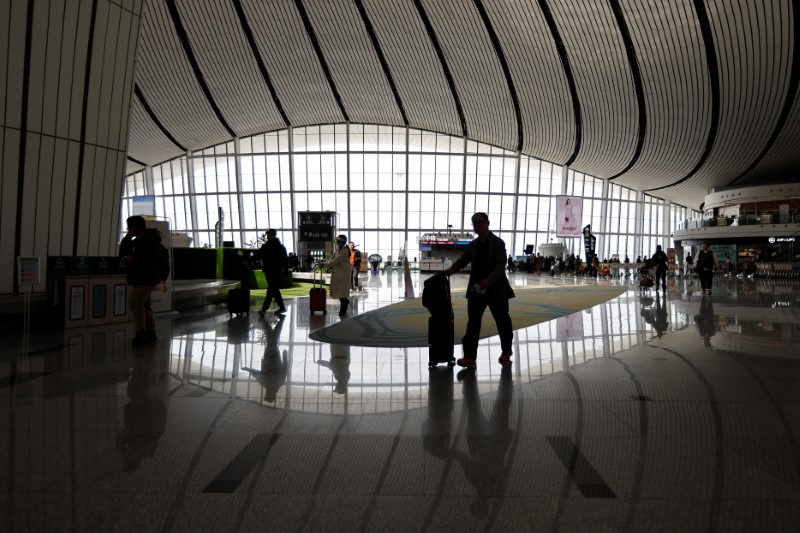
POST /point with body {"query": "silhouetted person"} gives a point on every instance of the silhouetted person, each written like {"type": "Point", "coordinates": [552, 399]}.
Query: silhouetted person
{"type": "Point", "coordinates": [488, 286]}
{"type": "Point", "coordinates": [660, 323]}
{"type": "Point", "coordinates": [274, 263]}
{"type": "Point", "coordinates": [145, 414]}
{"type": "Point", "coordinates": [706, 321]}
{"type": "Point", "coordinates": [141, 250]}
{"type": "Point", "coordinates": [274, 365]}
{"type": "Point", "coordinates": [706, 263]}
{"type": "Point", "coordinates": [659, 261]}
{"type": "Point", "coordinates": [339, 365]}
{"type": "Point", "coordinates": [487, 465]}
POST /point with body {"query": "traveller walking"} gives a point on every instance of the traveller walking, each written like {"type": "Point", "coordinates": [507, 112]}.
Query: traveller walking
{"type": "Point", "coordinates": [488, 286]}
{"type": "Point", "coordinates": [274, 263]}
{"type": "Point", "coordinates": [706, 264]}
{"type": "Point", "coordinates": [659, 261]}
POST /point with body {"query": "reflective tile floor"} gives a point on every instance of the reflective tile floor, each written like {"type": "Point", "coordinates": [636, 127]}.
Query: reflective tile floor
{"type": "Point", "coordinates": [648, 412]}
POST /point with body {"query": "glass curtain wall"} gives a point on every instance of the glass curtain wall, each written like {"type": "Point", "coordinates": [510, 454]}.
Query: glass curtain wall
{"type": "Point", "coordinates": [389, 185]}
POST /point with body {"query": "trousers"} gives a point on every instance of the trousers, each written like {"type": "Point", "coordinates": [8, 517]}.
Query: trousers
{"type": "Point", "coordinates": [273, 282]}
{"type": "Point", "coordinates": [139, 302]}
{"type": "Point", "coordinates": [476, 305]}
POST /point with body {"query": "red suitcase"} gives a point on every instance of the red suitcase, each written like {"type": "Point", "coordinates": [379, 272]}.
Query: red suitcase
{"type": "Point", "coordinates": [318, 296]}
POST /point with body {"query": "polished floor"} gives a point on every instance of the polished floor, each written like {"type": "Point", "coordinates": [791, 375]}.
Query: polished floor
{"type": "Point", "coordinates": [649, 412]}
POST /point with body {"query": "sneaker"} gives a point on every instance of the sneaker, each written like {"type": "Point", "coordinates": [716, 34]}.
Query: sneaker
{"type": "Point", "coordinates": [280, 311]}
{"type": "Point", "coordinates": [466, 363]}
{"type": "Point", "coordinates": [505, 359]}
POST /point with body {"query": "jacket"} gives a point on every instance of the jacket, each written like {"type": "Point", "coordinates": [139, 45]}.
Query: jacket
{"type": "Point", "coordinates": [706, 260]}
{"type": "Point", "coordinates": [659, 260]}
{"type": "Point", "coordinates": [274, 260]}
{"type": "Point", "coordinates": [499, 287]}
{"type": "Point", "coordinates": [145, 266]}
{"type": "Point", "coordinates": [340, 273]}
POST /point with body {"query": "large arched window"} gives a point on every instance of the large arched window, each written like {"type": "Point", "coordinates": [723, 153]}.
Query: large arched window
{"type": "Point", "coordinates": [389, 185]}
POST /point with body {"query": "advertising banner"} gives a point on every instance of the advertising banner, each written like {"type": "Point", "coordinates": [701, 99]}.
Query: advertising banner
{"type": "Point", "coordinates": [568, 216]}
{"type": "Point", "coordinates": [589, 241]}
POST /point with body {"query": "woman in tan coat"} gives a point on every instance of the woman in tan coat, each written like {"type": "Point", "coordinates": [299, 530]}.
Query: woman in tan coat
{"type": "Point", "coordinates": [340, 274]}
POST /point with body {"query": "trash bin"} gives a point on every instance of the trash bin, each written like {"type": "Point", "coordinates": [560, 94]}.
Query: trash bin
{"type": "Point", "coordinates": [375, 261]}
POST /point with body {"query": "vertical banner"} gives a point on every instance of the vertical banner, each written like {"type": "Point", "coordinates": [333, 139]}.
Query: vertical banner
{"type": "Point", "coordinates": [588, 241]}
{"type": "Point", "coordinates": [568, 216]}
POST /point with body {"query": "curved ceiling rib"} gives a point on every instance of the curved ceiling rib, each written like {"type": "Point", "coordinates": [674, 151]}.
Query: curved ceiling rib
{"type": "Point", "coordinates": [445, 68]}
{"type": "Point", "coordinates": [630, 50]}
{"type": "Point", "coordinates": [713, 74]}
{"type": "Point", "coordinates": [498, 48]}
{"type": "Point", "coordinates": [573, 91]}
{"type": "Point", "coordinates": [146, 106]}
{"type": "Point", "coordinates": [320, 56]}
{"type": "Point", "coordinates": [251, 41]}
{"type": "Point", "coordinates": [665, 97]}
{"type": "Point", "coordinates": [187, 48]}
{"type": "Point", "coordinates": [382, 58]}
{"type": "Point", "coordinates": [135, 161]}
{"type": "Point", "coordinates": [789, 101]}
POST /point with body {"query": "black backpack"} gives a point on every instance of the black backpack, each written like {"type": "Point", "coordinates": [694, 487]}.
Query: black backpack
{"type": "Point", "coordinates": [163, 263]}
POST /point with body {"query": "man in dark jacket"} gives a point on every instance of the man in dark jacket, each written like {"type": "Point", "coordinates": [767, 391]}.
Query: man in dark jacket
{"type": "Point", "coordinates": [706, 263]}
{"type": "Point", "coordinates": [274, 262]}
{"type": "Point", "coordinates": [488, 286]}
{"type": "Point", "coordinates": [659, 261]}
{"type": "Point", "coordinates": [141, 250]}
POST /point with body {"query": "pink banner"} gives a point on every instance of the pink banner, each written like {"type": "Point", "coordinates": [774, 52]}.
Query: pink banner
{"type": "Point", "coordinates": [568, 216]}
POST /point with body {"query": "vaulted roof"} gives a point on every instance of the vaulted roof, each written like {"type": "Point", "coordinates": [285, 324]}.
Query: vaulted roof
{"type": "Point", "coordinates": [668, 97]}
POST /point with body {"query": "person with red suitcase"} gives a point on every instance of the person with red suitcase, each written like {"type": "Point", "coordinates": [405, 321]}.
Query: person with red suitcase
{"type": "Point", "coordinates": [341, 274]}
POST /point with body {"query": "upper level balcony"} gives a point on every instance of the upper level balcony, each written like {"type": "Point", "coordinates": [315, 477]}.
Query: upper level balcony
{"type": "Point", "coordinates": [763, 225]}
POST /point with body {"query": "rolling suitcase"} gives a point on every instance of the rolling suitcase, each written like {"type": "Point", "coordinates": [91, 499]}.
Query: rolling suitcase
{"type": "Point", "coordinates": [436, 298]}
{"type": "Point", "coordinates": [318, 296]}
{"type": "Point", "coordinates": [239, 301]}
{"type": "Point", "coordinates": [440, 340]}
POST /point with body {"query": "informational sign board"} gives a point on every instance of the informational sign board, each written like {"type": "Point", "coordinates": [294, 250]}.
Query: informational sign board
{"type": "Point", "coordinates": [28, 271]}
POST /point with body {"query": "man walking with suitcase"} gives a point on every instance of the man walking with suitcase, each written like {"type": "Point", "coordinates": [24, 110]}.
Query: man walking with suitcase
{"type": "Point", "coordinates": [488, 286]}
{"type": "Point", "coordinates": [274, 262]}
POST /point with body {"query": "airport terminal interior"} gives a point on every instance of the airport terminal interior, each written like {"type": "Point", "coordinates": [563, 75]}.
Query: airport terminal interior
{"type": "Point", "coordinates": [594, 128]}
{"type": "Point", "coordinates": [651, 411]}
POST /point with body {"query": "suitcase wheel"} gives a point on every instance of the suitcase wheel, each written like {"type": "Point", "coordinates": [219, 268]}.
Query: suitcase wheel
{"type": "Point", "coordinates": [324, 311]}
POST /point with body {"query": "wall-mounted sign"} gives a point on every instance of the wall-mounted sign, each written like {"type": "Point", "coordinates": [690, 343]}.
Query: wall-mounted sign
{"type": "Point", "coordinates": [28, 271]}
